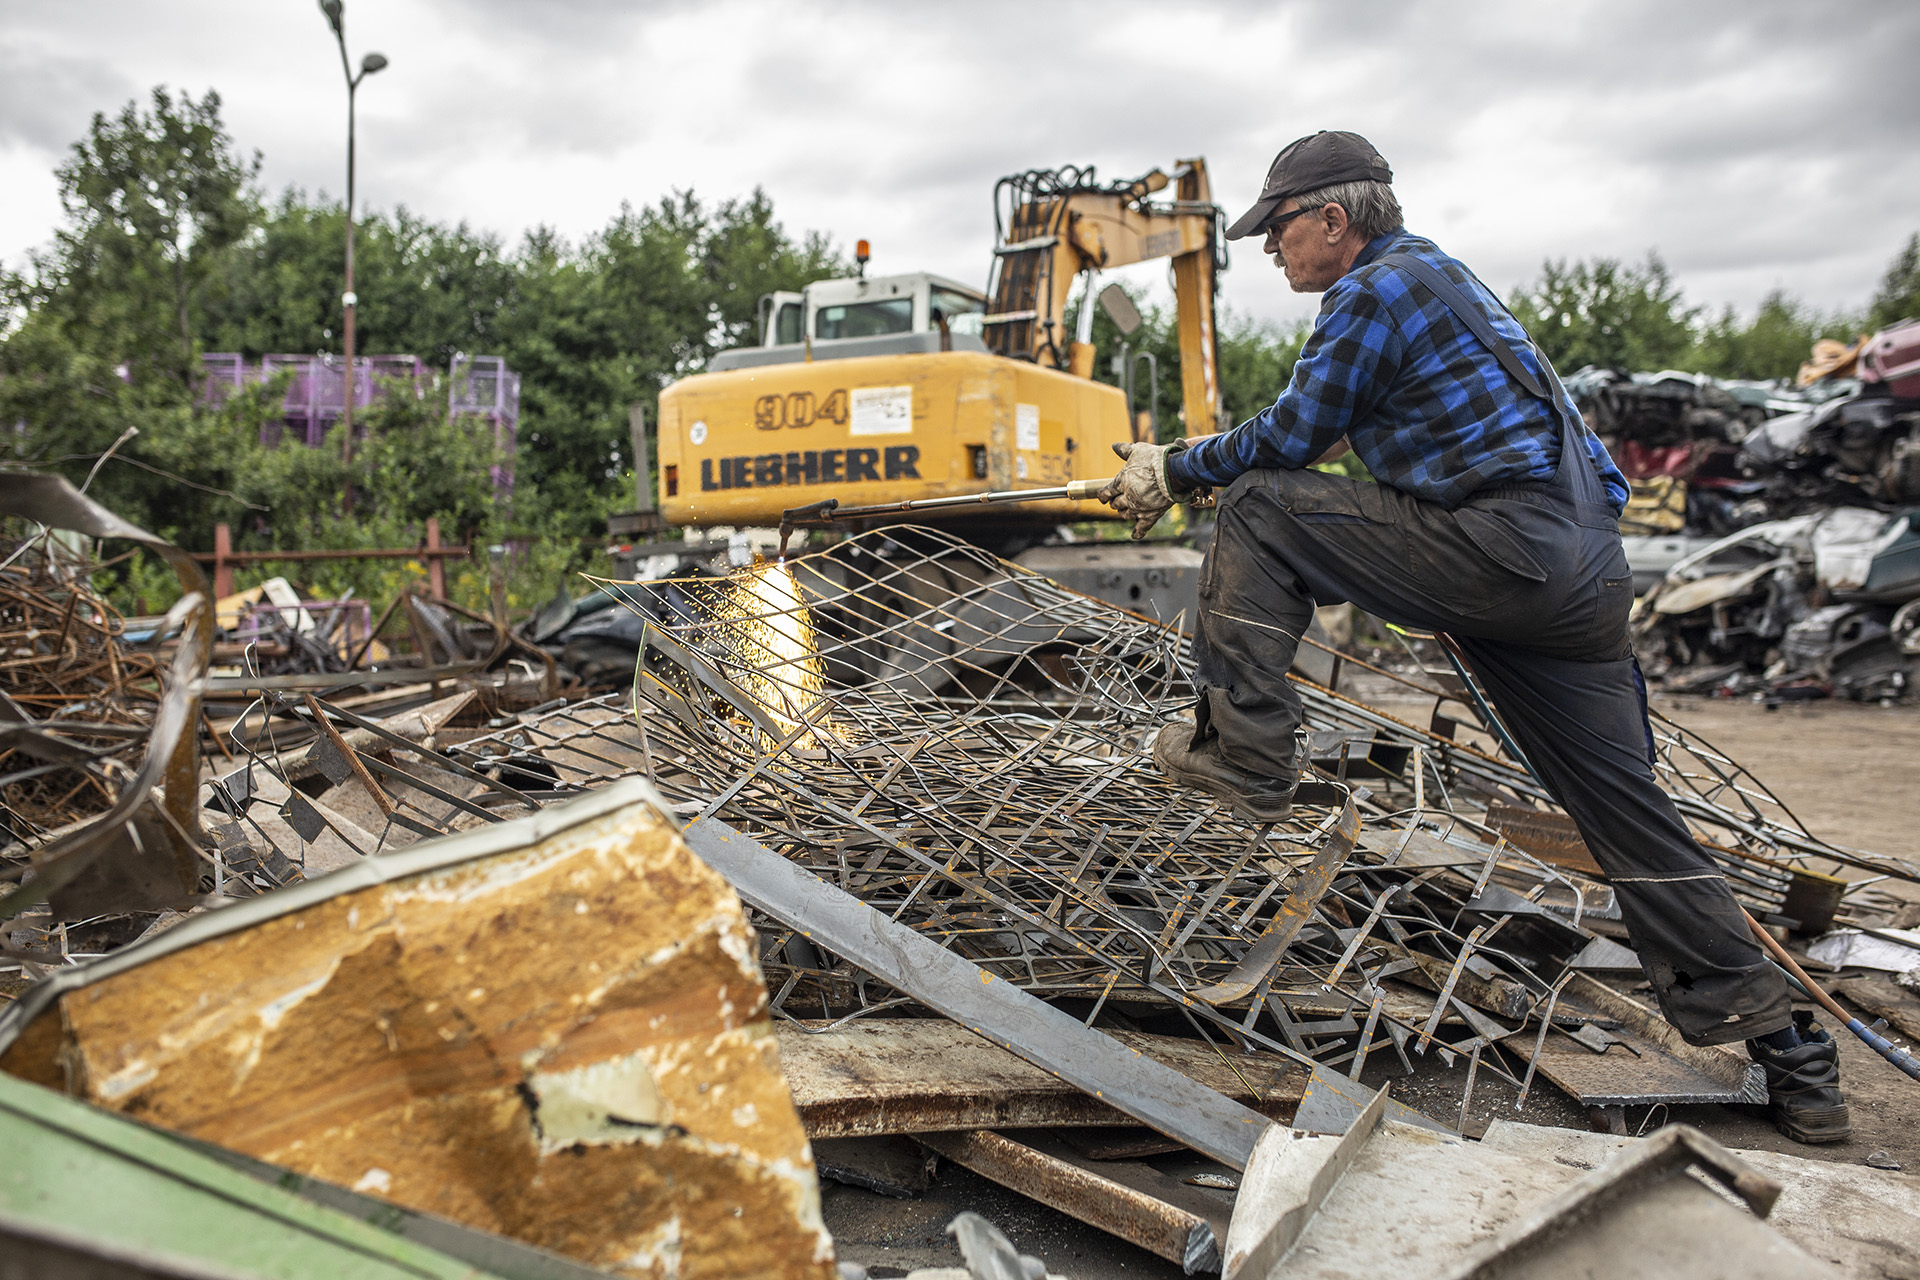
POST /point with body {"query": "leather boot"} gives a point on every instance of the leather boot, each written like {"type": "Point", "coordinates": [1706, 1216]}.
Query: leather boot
{"type": "Point", "coordinates": [1199, 766]}
{"type": "Point", "coordinates": [1803, 1086]}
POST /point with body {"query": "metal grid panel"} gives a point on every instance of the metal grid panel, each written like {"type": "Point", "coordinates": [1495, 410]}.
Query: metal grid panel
{"type": "Point", "coordinates": [957, 742]}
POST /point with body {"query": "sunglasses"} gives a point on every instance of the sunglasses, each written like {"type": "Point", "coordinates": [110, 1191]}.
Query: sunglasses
{"type": "Point", "coordinates": [1274, 224]}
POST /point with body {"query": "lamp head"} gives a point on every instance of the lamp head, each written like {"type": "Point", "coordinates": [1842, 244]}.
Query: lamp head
{"type": "Point", "coordinates": [372, 62]}
{"type": "Point", "coordinates": [332, 9]}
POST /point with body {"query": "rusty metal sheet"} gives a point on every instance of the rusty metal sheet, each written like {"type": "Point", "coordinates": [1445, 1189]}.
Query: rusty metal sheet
{"type": "Point", "coordinates": [1548, 836]}
{"type": "Point", "coordinates": [1649, 1064]}
{"type": "Point", "coordinates": [553, 1029]}
{"type": "Point", "coordinates": [1631, 1073]}
{"type": "Point", "coordinates": [926, 1075]}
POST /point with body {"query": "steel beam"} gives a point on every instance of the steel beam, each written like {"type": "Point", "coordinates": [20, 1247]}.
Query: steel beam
{"type": "Point", "coordinates": [1155, 1095]}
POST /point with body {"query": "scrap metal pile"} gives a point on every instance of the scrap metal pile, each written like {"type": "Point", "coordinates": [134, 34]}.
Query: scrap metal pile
{"type": "Point", "coordinates": [928, 773]}
{"type": "Point", "coordinates": [964, 746]}
{"type": "Point", "coordinates": [107, 826]}
{"type": "Point", "coordinates": [1772, 524]}
{"type": "Point", "coordinates": [272, 631]}
{"type": "Point", "coordinates": [75, 699]}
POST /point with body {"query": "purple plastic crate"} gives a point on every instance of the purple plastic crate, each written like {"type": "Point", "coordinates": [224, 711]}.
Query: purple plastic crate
{"type": "Point", "coordinates": [484, 387]}
{"type": "Point", "coordinates": [221, 374]}
{"type": "Point", "coordinates": [478, 387]}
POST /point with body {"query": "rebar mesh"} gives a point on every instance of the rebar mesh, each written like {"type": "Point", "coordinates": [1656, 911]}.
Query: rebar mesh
{"type": "Point", "coordinates": [965, 746]}
{"type": "Point", "coordinates": [957, 742]}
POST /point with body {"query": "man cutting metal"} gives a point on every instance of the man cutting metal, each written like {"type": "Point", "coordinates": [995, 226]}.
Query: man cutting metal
{"type": "Point", "coordinates": [1493, 522]}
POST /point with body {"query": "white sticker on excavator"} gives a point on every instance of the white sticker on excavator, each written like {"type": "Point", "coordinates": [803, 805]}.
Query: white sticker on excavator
{"type": "Point", "coordinates": [1026, 426]}
{"type": "Point", "coordinates": [881, 411]}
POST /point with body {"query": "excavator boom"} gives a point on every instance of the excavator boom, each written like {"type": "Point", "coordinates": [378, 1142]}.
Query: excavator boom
{"type": "Point", "coordinates": [1055, 224]}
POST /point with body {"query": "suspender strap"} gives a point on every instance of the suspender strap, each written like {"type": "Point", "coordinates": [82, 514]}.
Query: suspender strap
{"type": "Point", "coordinates": [1587, 494]}
{"type": "Point", "coordinates": [1471, 314]}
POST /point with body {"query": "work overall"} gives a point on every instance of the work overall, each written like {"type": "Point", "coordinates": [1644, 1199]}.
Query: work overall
{"type": "Point", "coordinates": [1532, 582]}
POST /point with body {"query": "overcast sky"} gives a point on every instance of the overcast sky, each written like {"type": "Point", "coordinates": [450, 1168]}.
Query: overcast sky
{"type": "Point", "coordinates": [1757, 144]}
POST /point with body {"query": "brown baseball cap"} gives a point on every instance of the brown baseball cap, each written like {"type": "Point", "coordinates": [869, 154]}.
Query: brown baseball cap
{"type": "Point", "coordinates": [1308, 164]}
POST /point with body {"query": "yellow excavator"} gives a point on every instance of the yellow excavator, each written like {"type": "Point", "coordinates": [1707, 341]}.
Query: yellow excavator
{"type": "Point", "coordinates": [879, 390]}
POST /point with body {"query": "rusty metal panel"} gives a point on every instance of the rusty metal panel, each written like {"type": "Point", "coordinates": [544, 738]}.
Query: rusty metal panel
{"type": "Point", "coordinates": [927, 1075]}
{"type": "Point", "coordinates": [553, 1029]}
{"type": "Point", "coordinates": [1647, 1062]}
{"type": "Point", "coordinates": [1548, 836]}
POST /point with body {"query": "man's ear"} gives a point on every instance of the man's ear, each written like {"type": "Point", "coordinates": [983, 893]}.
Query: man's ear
{"type": "Point", "coordinates": [1336, 221]}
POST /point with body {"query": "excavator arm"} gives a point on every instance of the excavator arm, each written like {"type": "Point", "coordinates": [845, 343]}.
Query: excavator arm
{"type": "Point", "coordinates": [1053, 225]}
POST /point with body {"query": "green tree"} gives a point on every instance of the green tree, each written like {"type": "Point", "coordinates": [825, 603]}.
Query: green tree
{"type": "Point", "coordinates": [423, 289]}
{"type": "Point", "coordinates": [747, 255]}
{"type": "Point", "coordinates": [1607, 313]}
{"type": "Point", "coordinates": [152, 199]}
{"type": "Point", "coordinates": [99, 332]}
{"type": "Point", "coordinates": [646, 300]}
{"type": "Point", "coordinates": [1771, 345]}
{"type": "Point", "coordinates": [1898, 297]}
{"type": "Point", "coordinates": [1256, 363]}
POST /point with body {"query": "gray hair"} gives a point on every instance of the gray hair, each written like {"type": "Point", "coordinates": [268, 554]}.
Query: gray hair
{"type": "Point", "coordinates": [1370, 205]}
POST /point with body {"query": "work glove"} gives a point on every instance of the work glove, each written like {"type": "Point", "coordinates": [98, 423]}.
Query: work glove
{"type": "Point", "coordinates": [1142, 492]}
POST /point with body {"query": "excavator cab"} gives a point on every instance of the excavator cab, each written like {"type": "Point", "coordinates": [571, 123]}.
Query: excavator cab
{"type": "Point", "coordinates": [864, 316]}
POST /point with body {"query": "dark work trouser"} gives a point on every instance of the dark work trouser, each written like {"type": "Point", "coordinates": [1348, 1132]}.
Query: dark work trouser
{"type": "Point", "coordinates": [1539, 605]}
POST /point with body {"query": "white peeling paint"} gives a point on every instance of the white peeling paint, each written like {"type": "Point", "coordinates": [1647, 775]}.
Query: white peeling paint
{"type": "Point", "coordinates": [126, 1080]}
{"type": "Point", "coordinates": [660, 1252]}
{"type": "Point", "coordinates": [375, 1182]}
{"type": "Point", "coordinates": [275, 1010]}
{"type": "Point", "coordinates": [609, 1103]}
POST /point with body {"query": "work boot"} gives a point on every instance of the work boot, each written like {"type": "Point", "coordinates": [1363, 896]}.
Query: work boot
{"type": "Point", "coordinates": [1803, 1086]}
{"type": "Point", "coordinates": [1187, 764]}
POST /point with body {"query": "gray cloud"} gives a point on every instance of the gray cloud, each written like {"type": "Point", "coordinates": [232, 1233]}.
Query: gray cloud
{"type": "Point", "coordinates": [1755, 144]}
{"type": "Point", "coordinates": [47, 97]}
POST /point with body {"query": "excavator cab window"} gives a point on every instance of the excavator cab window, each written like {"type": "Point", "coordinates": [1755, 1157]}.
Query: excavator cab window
{"type": "Point", "coordinates": [864, 319]}
{"type": "Point", "coordinates": [962, 313]}
{"type": "Point", "coordinates": [789, 323]}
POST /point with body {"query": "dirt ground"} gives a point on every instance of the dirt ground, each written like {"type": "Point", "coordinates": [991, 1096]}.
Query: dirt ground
{"type": "Point", "coordinates": [1847, 772]}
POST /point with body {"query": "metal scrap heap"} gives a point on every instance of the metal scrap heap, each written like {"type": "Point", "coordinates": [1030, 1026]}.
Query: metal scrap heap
{"type": "Point", "coordinates": [982, 917]}
{"type": "Point", "coordinates": [1769, 527]}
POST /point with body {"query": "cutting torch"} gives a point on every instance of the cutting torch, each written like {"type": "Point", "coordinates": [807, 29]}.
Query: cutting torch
{"type": "Point", "coordinates": [829, 511]}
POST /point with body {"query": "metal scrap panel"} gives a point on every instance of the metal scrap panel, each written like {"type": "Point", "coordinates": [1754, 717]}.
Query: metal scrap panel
{"type": "Point", "coordinates": [565, 1040]}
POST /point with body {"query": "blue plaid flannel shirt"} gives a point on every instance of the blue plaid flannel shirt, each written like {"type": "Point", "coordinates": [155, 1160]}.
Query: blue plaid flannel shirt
{"type": "Point", "coordinates": [1424, 404]}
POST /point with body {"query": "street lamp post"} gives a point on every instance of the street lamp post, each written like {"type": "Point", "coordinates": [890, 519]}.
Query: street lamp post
{"type": "Point", "coordinates": [334, 11]}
